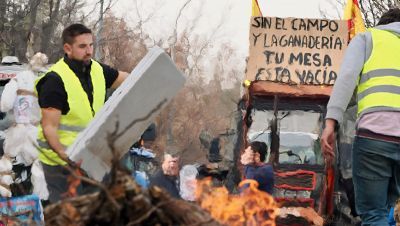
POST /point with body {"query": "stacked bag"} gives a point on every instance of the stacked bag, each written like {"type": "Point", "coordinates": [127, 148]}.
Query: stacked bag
{"type": "Point", "coordinates": [6, 176]}
{"type": "Point", "coordinates": [20, 145]}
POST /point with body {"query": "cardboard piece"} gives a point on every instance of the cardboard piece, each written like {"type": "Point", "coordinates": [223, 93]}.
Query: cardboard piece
{"type": "Point", "coordinates": [296, 50]}
{"type": "Point", "coordinates": [139, 99]}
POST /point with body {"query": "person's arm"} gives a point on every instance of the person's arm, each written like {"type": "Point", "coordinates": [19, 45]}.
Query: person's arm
{"type": "Point", "coordinates": [50, 123]}
{"type": "Point", "coordinates": [120, 78]}
{"type": "Point", "coordinates": [328, 140]}
{"type": "Point", "coordinates": [356, 54]}
{"type": "Point", "coordinates": [352, 64]}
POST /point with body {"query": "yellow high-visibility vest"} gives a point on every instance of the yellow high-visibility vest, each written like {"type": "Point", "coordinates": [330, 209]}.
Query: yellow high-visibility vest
{"type": "Point", "coordinates": [80, 113]}
{"type": "Point", "coordinates": [379, 83]}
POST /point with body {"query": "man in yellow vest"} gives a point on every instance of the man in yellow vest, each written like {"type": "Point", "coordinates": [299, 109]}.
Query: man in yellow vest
{"type": "Point", "coordinates": [371, 66]}
{"type": "Point", "coordinates": [70, 94]}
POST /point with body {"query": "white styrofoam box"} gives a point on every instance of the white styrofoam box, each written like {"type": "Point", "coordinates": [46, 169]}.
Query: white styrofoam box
{"type": "Point", "coordinates": [139, 99]}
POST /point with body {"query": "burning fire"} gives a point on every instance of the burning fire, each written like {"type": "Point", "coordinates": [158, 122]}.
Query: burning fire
{"type": "Point", "coordinates": [73, 184]}
{"type": "Point", "coordinates": [251, 207]}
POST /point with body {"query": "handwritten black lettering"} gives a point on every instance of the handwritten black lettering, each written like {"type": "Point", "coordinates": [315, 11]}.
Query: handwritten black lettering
{"type": "Point", "coordinates": [309, 77]}
{"type": "Point", "coordinates": [316, 60]}
{"type": "Point", "coordinates": [302, 25]}
{"type": "Point", "coordinates": [256, 22]}
{"type": "Point", "coordinates": [319, 77]}
{"type": "Point", "coordinates": [279, 58]}
{"type": "Point", "coordinates": [293, 40]}
{"type": "Point", "coordinates": [263, 74]}
{"type": "Point", "coordinates": [255, 38]}
{"type": "Point", "coordinates": [316, 75]}
{"type": "Point", "coordinates": [323, 24]}
{"type": "Point", "coordinates": [311, 42]}
{"type": "Point", "coordinates": [266, 44]}
{"type": "Point", "coordinates": [306, 58]}
{"type": "Point", "coordinates": [327, 61]}
{"type": "Point", "coordinates": [283, 41]}
{"type": "Point", "coordinates": [274, 40]}
{"type": "Point", "coordinates": [293, 23]}
{"type": "Point", "coordinates": [298, 58]}
{"type": "Point", "coordinates": [302, 54]}
{"type": "Point", "coordinates": [325, 42]}
{"type": "Point", "coordinates": [313, 24]}
{"type": "Point", "coordinates": [301, 75]}
{"type": "Point", "coordinates": [280, 24]}
{"type": "Point", "coordinates": [267, 54]}
{"type": "Point", "coordinates": [338, 43]}
{"type": "Point", "coordinates": [259, 73]}
{"type": "Point", "coordinates": [332, 77]}
{"type": "Point", "coordinates": [333, 25]}
{"type": "Point", "coordinates": [267, 22]}
{"type": "Point", "coordinates": [284, 76]}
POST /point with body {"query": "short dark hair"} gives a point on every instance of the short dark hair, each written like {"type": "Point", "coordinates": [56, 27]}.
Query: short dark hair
{"type": "Point", "coordinates": [261, 148]}
{"type": "Point", "coordinates": [74, 30]}
{"type": "Point", "coordinates": [392, 15]}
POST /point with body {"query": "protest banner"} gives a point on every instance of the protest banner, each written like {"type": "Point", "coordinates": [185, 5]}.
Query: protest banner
{"type": "Point", "coordinates": [296, 50]}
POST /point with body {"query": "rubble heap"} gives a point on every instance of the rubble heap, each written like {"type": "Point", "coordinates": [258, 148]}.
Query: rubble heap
{"type": "Point", "coordinates": [126, 203]}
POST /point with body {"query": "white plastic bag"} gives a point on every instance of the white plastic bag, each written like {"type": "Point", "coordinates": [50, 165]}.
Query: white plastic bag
{"type": "Point", "coordinates": [5, 164]}
{"type": "Point", "coordinates": [24, 150]}
{"type": "Point", "coordinates": [38, 181]}
{"type": "Point", "coordinates": [6, 179]}
{"type": "Point", "coordinates": [187, 176]}
{"type": "Point", "coordinates": [9, 95]}
{"type": "Point", "coordinates": [5, 176]}
{"type": "Point", "coordinates": [4, 192]}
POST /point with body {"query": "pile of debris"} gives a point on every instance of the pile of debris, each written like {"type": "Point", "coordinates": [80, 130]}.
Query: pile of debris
{"type": "Point", "coordinates": [251, 207]}
{"type": "Point", "coordinates": [126, 203]}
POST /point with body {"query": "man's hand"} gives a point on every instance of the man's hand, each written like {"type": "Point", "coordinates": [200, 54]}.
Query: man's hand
{"type": "Point", "coordinates": [248, 156]}
{"type": "Point", "coordinates": [328, 141]}
{"type": "Point", "coordinates": [170, 165]}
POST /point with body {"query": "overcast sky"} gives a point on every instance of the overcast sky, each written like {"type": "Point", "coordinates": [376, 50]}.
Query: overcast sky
{"type": "Point", "coordinates": [235, 15]}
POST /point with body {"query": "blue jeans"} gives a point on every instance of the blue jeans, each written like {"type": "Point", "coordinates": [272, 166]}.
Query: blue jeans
{"type": "Point", "coordinates": [376, 178]}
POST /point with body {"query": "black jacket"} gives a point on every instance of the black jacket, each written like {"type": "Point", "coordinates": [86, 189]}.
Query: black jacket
{"type": "Point", "coordinates": [168, 183]}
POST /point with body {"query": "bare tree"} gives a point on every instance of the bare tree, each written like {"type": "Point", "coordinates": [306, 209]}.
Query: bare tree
{"type": "Point", "coordinates": [174, 37]}
{"type": "Point", "coordinates": [99, 31]}
{"type": "Point", "coordinates": [35, 25]}
{"type": "Point", "coordinates": [120, 45]}
{"type": "Point", "coordinates": [100, 22]}
{"type": "Point", "coordinates": [49, 25]}
{"type": "Point", "coordinates": [371, 10]}
{"type": "Point", "coordinates": [15, 18]}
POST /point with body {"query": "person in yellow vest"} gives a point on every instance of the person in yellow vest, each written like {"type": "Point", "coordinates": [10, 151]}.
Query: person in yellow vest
{"type": "Point", "coordinates": [371, 67]}
{"type": "Point", "coordinates": [70, 94]}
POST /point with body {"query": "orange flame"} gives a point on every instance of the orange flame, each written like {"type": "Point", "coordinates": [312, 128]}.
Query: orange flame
{"type": "Point", "coordinates": [73, 184]}
{"type": "Point", "coordinates": [251, 207]}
